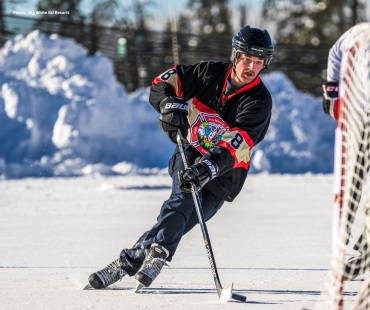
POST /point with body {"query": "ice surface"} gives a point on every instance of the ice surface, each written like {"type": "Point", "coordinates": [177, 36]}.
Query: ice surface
{"type": "Point", "coordinates": [272, 242]}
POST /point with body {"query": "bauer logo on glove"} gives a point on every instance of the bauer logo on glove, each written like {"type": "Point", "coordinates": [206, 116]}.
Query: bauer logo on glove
{"type": "Point", "coordinates": [173, 116]}
{"type": "Point", "coordinates": [199, 174]}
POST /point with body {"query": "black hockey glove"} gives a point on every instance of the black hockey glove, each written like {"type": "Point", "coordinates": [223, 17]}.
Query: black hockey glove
{"type": "Point", "coordinates": [173, 116]}
{"type": "Point", "coordinates": [199, 174]}
{"type": "Point", "coordinates": [331, 101]}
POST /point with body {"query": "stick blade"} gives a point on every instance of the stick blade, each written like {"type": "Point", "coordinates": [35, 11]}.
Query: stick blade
{"type": "Point", "coordinates": [226, 294]}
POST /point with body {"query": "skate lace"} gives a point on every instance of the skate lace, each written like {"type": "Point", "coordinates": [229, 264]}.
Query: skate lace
{"type": "Point", "coordinates": [112, 273]}
{"type": "Point", "coordinates": [154, 265]}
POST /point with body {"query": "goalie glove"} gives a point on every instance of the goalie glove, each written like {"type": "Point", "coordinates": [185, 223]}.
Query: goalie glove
{"type": "Point", "coordinates": [173, 116]}
{"type": "Point", "coordinates": [331, 101]}
{"type": "Point", "coordinates": [199, 174]}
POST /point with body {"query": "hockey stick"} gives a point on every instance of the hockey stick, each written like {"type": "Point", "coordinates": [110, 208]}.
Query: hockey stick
{"type": "Point", "coordinates": [223, 294]}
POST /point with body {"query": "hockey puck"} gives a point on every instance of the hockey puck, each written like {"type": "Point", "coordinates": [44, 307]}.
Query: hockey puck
{"type": "Point", "coordinates": [238, 297]}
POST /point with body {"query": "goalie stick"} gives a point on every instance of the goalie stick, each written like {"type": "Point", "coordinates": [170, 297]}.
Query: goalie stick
{"type": "Point", "coordinates": [223, 294]}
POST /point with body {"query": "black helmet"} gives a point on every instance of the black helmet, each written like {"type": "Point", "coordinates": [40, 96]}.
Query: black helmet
{"type": "Point", "coordinates": [254, 42]}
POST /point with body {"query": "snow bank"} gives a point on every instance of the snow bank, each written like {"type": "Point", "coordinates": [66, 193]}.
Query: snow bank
{"type": "Point", "coordinates": [63, 113]}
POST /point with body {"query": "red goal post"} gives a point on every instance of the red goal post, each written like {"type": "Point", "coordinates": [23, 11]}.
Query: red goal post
{"type": "Point", "coordinates": [351, 216]}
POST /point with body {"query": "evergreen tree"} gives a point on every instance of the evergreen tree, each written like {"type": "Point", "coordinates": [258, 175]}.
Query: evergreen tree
{"type": "Point", "coordinates": [305, 31]}
{"type": "Point", "coordinates": [2, 24]}
{"type": "Point", "coordinates": [312, 22]}
{"type": "Point", "coordinates": [5, 33]}
{"type": "Point", "coordinates": [108, 13]}
{"type": "Point", "coordinates": [115, 21]}
{"type": "Point", "coordinates": [209, 23]}
{"type": "Point", "coordinates": [69, 7]}
{"type": "Point", "coordinates": [211, 17]}
{"type": "Point", "coordinates": [64, 17]}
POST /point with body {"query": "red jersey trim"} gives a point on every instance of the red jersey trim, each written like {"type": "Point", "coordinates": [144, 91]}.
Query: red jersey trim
{"type": "Point", "coordinates": [171, 78]}
{"type": "Point", "coordinates": [242, 89]}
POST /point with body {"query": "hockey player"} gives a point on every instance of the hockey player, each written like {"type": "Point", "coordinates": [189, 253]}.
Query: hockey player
{"type": "Point", "coordinates": [229, 114]}
{"type": "Point", "coordinates": [337, 61]}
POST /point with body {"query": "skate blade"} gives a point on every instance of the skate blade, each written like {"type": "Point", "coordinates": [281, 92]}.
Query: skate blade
{"type": "Point", "coordinates": [226, 294]}
{"type": "Point", "coordinates": [88, 287]}
{"type": "Point", "coordinates": [139, 286]}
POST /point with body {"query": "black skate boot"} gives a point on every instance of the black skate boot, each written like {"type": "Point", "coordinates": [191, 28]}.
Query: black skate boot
{"type": "Point", "coordinates": [151, 267]}
{"type": "Point", "coordinates": [108, 275]}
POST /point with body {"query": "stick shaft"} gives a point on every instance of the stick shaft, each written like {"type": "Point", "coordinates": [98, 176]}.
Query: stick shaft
{"type": "Point", "coordinates": [202, 223]}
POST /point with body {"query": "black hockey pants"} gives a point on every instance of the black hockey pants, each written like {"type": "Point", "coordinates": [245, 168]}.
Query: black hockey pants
{"type": "Point", "coordinates": [177, 217]}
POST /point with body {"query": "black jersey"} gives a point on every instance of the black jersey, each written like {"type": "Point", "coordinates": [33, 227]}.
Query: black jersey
{"type": "Point", "coordinates": [223, 128]}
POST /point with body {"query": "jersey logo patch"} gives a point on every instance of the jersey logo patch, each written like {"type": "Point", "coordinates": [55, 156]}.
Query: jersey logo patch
{"type": "Point", "coordinates": [206, 131]}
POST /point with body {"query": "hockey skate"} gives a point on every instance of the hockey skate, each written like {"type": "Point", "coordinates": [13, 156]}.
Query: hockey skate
{"type": "Point", "coordinates": [107, 276]}
{"type": "Point", "coordinates": [151, 267]}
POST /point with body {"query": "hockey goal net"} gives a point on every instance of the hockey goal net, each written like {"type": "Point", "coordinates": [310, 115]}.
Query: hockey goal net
{"type": "Point", "coordinates": [348, 283]}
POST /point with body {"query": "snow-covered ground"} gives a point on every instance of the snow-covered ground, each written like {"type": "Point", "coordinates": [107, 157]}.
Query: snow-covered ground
{"type": "Point", "coordinates": [273, 242]}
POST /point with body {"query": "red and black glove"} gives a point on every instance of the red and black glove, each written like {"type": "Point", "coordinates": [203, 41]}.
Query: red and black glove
{"type": "Point", "coordinates": [199, 174]}
{"type": "Point", "coordinates": [173, 116]}
{"type": "Point", "coordinates": [331, 101]}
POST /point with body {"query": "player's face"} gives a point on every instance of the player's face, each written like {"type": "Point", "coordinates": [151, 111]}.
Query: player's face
{"type": "Point", "coordinates": [247, 68]}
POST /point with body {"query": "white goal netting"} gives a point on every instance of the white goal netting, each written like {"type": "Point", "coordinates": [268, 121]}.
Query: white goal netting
{"type": "Point", "coordinates": [348, 283]}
